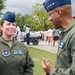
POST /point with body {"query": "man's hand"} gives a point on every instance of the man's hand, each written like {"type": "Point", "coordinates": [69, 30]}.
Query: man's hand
{"type": "Point", "coordinates": [46, 66]}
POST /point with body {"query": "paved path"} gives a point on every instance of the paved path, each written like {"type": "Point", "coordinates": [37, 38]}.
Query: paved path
{"type": "Point", "coordinates": [45, 46]}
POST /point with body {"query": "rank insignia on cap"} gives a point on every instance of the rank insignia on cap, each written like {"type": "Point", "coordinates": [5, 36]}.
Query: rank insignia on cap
{"type": "Point", "coordinates": [61, 44]}
{"type": "Point", "coordinates": [6, 53]}
{"type": "Point", "coordinates": [51, 4]}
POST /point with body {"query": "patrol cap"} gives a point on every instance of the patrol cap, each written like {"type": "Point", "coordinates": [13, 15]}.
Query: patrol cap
{"type": "Point", "coordinates": [51, 4]}
{"type": "Point", "coordinates": [9, 16]}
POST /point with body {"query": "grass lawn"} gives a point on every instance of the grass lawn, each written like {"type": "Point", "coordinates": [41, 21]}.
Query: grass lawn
{"type": "Point", "coordinates": [37, 56]}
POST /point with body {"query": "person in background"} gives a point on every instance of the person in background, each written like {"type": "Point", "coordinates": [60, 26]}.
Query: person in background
{"type": "Point", "coordinates": [55, 36]}
{"type": "Point", "coordinates": [14, 56]}
{"type": "Point", "coordinates": [18, 33]}
{"type": "Point", "coordinates": [60, 15]}
{"type": "Point", "coordinates": [42, 36]}
{"type": "Point", "coordinates": [49, 35]}
{"type": "Point", "coordinates": [27, 30]}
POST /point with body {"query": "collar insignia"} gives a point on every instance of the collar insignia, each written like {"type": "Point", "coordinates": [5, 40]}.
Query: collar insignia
{"type": "Point", "coordinates": [61, 44]}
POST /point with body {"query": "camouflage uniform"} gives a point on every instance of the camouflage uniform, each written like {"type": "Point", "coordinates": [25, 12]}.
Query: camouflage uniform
{"type": "Point", "coordinates": [65, 63]}
{"type": "Point", "coordinates": [15, 60]}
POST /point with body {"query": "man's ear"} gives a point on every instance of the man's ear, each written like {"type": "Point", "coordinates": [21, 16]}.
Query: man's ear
{"type": "Point", "coordinates": [59, 12]}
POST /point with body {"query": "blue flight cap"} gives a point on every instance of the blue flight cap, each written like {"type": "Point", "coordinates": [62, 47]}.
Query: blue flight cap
{"type": "Point", "coordinates": [9, 16]}
{"type": "Point", "coordinates": [51, 4]}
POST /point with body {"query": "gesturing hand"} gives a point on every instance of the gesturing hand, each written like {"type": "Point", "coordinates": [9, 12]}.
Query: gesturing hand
{"type": "Point", "coordinates": [46, 66]}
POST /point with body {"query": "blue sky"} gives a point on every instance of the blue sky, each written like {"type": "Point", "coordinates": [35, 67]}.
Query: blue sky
{"type": "Point", "coordinates": [25, 6]}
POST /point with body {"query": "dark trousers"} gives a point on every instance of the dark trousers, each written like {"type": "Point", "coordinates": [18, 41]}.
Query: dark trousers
{"type": "Point", "coordinates": [28, 38]}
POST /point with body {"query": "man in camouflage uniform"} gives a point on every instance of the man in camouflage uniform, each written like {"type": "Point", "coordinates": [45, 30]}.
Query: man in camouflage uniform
{"type": "Point", "coordinates": [60, 14]}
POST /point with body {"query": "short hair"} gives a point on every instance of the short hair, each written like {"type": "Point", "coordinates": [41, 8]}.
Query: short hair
{"type": "Point", "coordinates": [2, 21]}
{"type": "Point", "coordinates": [66, 10]}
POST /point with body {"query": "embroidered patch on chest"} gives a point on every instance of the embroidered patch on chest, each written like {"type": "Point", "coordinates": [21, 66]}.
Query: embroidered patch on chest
{"type": "Point", "coordinates": [17, 52]}
{"type": "Point", "coordinates": [6, 53]}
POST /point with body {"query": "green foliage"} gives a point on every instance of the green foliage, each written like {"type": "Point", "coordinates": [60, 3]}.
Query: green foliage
{"type": "Point", "coordinates": [22, 20]}
{"type": "Point", "coordinates": [41, 16]}
{"type": "Point", "coordinates": [37, 56]}
{"type": "Point", "coordinates": [38, 19]}
{"type": "Point", "coordinates": [2, 6]}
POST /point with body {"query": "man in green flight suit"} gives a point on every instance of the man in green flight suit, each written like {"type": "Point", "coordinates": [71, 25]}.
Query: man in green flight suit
{"type": "Point", "coordinates": [60, 14]}
{"type": "Point", "coordinates": [14, 56]}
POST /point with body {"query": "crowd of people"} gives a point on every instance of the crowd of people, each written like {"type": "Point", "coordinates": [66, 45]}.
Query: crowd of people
{"type": "Point", "coordinates": [51, 36]}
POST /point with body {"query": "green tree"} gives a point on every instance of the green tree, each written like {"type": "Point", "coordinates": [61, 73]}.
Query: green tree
{"type": "Point", "coordinates": [37, 20]}
{"type": "Point", "coordinates": [21, 20]}
{"type": "Point", "coordinates": [2, 6]}
{"type": "Point", "coordinates": [41, 15]}
{"type": "Point", "coordinates": [18, 19]}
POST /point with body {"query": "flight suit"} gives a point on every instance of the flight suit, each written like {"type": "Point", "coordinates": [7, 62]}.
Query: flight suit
{"type": "Point", "coordinates": [15, 60]}
{"type": "Point", "coordinates": [66, 52]}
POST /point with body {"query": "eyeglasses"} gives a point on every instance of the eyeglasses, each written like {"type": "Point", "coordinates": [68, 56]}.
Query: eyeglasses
{"type": "Point", "coordinates": [54, 12]}
{"type": "Point", "coordinates": [51, 13]}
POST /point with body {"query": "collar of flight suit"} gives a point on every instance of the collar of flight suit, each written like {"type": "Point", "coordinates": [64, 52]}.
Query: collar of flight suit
{"type": "Point", "coordinates": [3, 40]}
{"type": "Point", "coordinates": [69, 26]}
